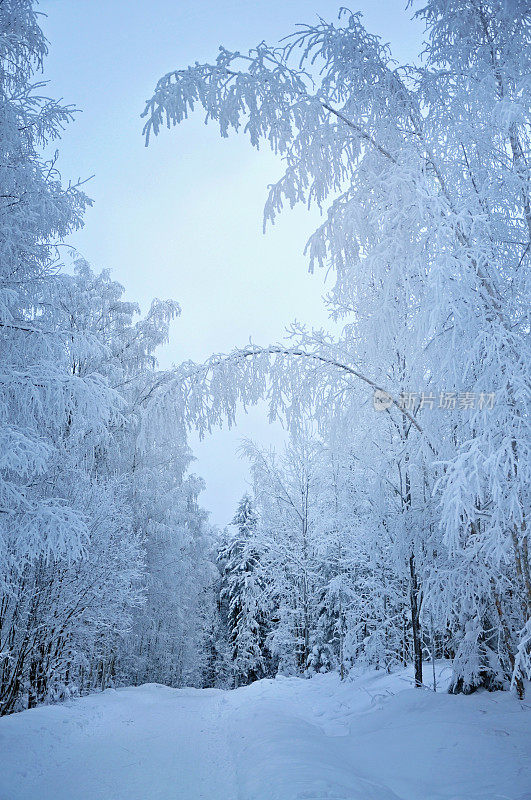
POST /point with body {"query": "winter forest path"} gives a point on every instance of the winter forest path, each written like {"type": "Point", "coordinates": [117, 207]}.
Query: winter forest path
{"type": "Point", "coordinates": [145, 743]}
{"type": "Point", "coordinates": [375, 738]}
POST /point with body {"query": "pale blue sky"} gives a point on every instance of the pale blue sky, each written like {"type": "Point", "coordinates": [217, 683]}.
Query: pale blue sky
{"type": "Point", "coordinates": [183, 218]}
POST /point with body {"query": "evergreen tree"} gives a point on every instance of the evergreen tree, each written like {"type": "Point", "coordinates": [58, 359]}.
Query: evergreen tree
{"type": "Point", "coordinates": [243, 592]}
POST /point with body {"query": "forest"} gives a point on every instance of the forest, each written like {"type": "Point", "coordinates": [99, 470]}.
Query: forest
{"type": "Point", "coordinates": [392, 528]}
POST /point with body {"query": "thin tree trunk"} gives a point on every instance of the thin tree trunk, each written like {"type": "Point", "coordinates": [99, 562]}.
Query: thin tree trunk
{"type": "Point", "coordinates": [415, 621]}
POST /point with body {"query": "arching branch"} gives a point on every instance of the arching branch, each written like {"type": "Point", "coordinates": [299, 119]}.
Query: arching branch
{"type": "Point", "coordinates": [254, 351]}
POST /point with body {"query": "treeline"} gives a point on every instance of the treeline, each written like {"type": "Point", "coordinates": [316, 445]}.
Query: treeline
{"type": "Point", "coordinates": [324, 568]}
{"type": "Point", "coordinates": [104, 551]}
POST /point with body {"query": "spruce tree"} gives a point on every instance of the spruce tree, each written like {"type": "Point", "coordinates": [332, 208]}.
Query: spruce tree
{"type": "Point", "coordinates": [243, 592]}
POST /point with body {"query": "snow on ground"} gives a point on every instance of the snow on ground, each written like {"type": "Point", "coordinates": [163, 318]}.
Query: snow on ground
{"type": "Point", "coordinates": [372, 738]}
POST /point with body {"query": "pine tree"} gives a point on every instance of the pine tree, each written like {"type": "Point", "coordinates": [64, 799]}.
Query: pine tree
{"type": "Point", "coordinates": [242, 591]}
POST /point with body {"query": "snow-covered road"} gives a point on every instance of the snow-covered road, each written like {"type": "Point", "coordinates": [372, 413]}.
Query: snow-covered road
{"type": "Point", "coordinates": [285, 739]}
{"type": "Point", "coordinates": [148, 742]}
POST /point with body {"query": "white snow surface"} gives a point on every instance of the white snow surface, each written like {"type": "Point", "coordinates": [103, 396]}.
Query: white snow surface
{"type": "Point", "coordinates": [374, 737]}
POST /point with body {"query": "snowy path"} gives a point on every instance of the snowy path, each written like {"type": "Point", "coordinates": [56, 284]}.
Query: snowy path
{"type": "Point", "coordinates": [284, 739]}
{"type": "Point", "coordinates": [139, 744]}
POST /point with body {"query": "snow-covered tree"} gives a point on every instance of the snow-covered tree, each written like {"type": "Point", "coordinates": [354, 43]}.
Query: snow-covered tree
{"type": "Point", "coordinates": [91, 513]}
{"type": "Point", "coordinates": [149, 458]}
{"type": "Point", "coordinates": [287, 497]}
{"type": "Point", "coordinates": [424, 173]}
{"type": "Point", "coordinates": [242, 592]}
{"type": "Point", "coordinates": [44, 408]}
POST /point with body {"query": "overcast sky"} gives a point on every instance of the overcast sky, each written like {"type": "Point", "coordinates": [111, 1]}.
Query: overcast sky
{"type": "Point", "coordinates": [183, 218]}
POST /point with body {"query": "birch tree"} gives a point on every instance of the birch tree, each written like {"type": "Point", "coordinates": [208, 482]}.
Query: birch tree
{"type": "Point", "coordinates": [422, 174]}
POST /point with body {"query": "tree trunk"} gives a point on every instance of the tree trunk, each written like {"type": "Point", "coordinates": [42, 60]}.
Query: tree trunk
{"type": "Point", "coordinates": [415, 621]}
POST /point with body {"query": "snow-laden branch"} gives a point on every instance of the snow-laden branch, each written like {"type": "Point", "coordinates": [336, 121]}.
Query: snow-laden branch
{"type": "Point", "coordinates": [292, 379]}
